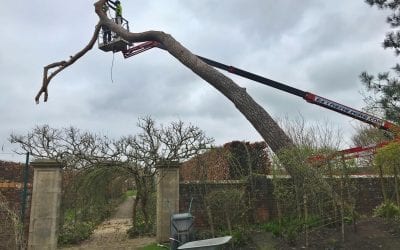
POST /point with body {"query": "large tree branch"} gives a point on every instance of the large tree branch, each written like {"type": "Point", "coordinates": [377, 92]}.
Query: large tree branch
{"type": "Point", "coordinates": [60, 66]}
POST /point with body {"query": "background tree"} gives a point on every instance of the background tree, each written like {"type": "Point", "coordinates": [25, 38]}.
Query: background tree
{"type": "Point", "coordinates": [388, 157]}
{"type": "Point", "coordinates": [384, 88]}
{"type": "Point", "coordinates": [154, 144]}
{"type": "Point", "coordinates": [320, 138]}
{"type": "Point", "coordinates": [70, 146]}
{"type": "Point", "coordinates": [367, 136]}
{"type": "Point", "coordinates": [302, 203]}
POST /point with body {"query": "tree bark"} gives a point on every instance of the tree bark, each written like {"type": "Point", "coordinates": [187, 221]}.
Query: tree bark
{"type": "Point", "coordinates": [134, 210]}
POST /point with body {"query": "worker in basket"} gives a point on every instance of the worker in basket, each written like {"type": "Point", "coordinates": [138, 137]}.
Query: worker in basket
{"type": "Point", "coordinates": [106, 30]}
{"type": "Point", "coordinates": [117, 7]}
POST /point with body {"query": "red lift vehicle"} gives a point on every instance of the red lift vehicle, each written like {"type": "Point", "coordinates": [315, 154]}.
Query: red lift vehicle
{"type": "Point", "coordinates": [129, 51]}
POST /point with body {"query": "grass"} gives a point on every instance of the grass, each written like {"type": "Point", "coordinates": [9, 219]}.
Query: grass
{"type": "Point", "coordinates": [130, 193]}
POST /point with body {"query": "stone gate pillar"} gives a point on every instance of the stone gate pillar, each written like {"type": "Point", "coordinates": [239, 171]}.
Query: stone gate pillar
{"type": "Point", "coordinates": [167, 197]}
{"type": "Point", "coordinates": [45, 206]}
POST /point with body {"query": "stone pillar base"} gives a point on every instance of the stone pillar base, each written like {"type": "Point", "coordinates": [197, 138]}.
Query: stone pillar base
{"type": "Point", "coordinates": [167, 197]}
{"type": "Point", "coordinates": [45, 206]}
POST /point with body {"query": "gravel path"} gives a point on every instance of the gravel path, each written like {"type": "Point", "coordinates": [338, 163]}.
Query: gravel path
{"type": "Point", "coordinates": [124, 210]}
{"type": "Point", "coordinates": [111, 234]}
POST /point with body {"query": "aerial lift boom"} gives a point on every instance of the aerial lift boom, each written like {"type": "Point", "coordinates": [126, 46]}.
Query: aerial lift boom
{"type": "Point", "coordinates": [128, 50]}
{"type": "Point", "coordinates": [309, 97]}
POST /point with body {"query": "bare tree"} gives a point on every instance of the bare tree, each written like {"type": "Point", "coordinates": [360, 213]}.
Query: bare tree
{"type": "Point", "coordinates": [138, 153]}
{"type": "Point", "coordinates": [318, 136]}
{"type": "Point", "coordinates": [69, 146]}
{"type": "Point", "coordinates": [175, 142]}
{"type": "Point", "coordinates": [255, 114]}
{"type": "Point", "coordinates": [367, 136]}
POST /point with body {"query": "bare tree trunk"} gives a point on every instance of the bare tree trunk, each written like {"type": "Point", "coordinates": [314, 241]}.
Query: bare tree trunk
{"type": "Point", "coordinates": [305, 217]}
{"type": "Point", "coordinates": [210, 220]}
{"type": "Point", "coordinates": [228, 223]}
{"type": "Point", "coordinates": [134, 210]}
{"type": "Point", "coordinates": [139, 190]}
{"type": "Point", "coordinates": [342, 203]}
{"type": "Point", "coordinates": [145, 211]}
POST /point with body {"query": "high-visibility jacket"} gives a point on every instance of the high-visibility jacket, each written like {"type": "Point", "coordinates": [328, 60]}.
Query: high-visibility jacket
{"type": "Point", "coordinates": [118, 10]}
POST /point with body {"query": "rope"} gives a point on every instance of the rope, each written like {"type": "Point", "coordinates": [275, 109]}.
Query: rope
{"type": "Point", "coordinates": [111, 70]}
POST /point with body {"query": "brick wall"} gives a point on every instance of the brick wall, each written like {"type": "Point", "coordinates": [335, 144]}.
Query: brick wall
{"type": "Point", "coordinates": [11, 188]}
{"type": "Point", "coordinates": [367, 193]}
{"type": "Point", "coordinates": [194, 191]}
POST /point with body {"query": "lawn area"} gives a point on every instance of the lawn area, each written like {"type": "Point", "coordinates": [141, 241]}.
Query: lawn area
{"type": "Point", "coordinates": [130, 193]}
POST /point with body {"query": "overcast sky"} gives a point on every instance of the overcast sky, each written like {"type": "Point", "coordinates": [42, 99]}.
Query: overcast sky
{"type": "Point", "coordinates": [316, 46]}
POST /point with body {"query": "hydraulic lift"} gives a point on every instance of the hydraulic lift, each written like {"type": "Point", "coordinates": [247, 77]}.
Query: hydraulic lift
{"type": "Point", "coordinates": [309, 97]}
{"type": "Point", "coordinates": [129, 50]}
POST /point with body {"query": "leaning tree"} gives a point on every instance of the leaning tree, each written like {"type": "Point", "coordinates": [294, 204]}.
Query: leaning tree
{"type": "Point", "coordinates": [258, 117]}
{"type": "Point", "coordinates": [270, 131]}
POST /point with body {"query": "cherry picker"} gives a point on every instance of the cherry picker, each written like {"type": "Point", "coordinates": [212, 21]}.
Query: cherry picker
{"type": "Point", "coordinates": [128, 50]}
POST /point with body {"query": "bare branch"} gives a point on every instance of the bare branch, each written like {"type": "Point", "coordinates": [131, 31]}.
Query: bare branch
{"type": "Point", "coordinates": [60, 66]}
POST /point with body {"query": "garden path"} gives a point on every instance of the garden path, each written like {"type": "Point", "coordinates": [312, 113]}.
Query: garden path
{"type": "Point", "coordinates": [111, 234]}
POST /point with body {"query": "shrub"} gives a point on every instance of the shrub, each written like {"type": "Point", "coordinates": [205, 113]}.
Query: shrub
{"type": "Point", "coordinates": [288, 228]}
{"type": "Point", "coordinates": [387, 210]}
{"type": "Point", "coordinates": [138, 230]}
{"type": "Point", "coordinates": [75, 233]}
{"type": "Point", "coordinates": [227, 207]}
{"type": "Point", "coordinates": [240, 236]}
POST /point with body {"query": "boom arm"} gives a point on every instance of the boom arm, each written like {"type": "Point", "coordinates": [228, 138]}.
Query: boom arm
{"type": "Point", "coordinates": [309, 97]}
